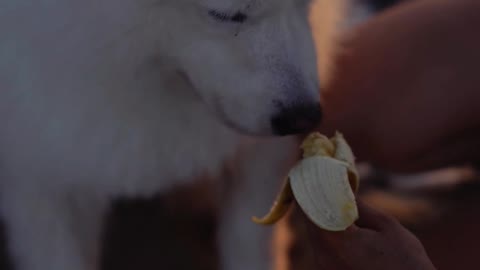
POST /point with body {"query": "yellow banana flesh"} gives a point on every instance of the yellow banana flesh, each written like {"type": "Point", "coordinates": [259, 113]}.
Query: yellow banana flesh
{"type": "Point", "coordinates": [322, 183]}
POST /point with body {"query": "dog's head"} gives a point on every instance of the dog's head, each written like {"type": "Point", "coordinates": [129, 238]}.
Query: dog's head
{"type": "Point", "coordinates": [251, 61]}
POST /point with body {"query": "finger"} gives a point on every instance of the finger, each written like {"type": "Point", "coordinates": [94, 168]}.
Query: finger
{"type": "Point", "coordinates": [336, 235]}
{"type": "Point", "coordinates": [372, 219]}
{"type": "Point", "coordinates": [310, 245]}
{"type": "Point", "coordinates": [317, 233]}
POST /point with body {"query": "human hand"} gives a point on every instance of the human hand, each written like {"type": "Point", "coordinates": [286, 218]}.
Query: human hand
{"type": "Point", "coordinates": [375, 242]}
{"type": "Point", "coordinates": [406, 88]}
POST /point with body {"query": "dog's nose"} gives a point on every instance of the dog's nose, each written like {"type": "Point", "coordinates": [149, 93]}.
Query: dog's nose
{"type": "Point", "coordinates": [297, 119]}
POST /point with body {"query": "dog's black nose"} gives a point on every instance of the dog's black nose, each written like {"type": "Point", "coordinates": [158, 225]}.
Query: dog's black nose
{"type": "Point", "coordinates": [297, 119]}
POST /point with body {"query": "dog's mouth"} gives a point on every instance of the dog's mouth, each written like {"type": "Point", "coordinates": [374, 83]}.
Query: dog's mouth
{"type": "Point", "coordinates": [183, 76]}
{"type": "Point", "coordinates": [219, 111]}
{"type": "Point", "coordinates": [289, 122]}
{"type": "Point", "coordinates": [214, 106]}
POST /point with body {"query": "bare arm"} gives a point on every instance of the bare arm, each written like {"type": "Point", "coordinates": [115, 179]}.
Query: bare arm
{"type": "Point", "coordinates": [407, 88]}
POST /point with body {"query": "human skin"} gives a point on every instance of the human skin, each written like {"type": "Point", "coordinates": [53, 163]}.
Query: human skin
{"type": "Point", "coordinates": [375, 242]}
{"type": "Point", "coordinates": [405, 93]}
{"type": "Point", "coordinates": [405, 90]}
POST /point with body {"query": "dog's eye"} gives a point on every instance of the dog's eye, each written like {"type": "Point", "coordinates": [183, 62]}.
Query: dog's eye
{"type": "Point", "coordinates": [237, 17]}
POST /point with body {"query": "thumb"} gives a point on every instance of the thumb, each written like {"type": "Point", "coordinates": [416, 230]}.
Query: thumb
{"type": "Point", "coordinates": [372, 219]}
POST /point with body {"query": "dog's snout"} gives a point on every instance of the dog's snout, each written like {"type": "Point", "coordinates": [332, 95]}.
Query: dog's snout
{"type": "Point", "coordinates": [297, 119]}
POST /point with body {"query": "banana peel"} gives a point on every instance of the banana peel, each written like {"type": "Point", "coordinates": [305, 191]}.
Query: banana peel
{"type": "Point", "coordinates": [323, 183]}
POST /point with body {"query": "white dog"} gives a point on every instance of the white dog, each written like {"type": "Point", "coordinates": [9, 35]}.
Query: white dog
{"type": "Point", "coordinates": [101, 99]}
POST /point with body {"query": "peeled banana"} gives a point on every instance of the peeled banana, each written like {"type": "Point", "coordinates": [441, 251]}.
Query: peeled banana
{"type": "Point", "coordinates": [323, 184]}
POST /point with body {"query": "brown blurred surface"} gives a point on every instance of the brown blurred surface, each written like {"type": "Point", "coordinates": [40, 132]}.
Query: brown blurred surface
{"type": "Point", "coordinates": [178, 232]}
{"type": "Point", "coordinates": [164, 233]}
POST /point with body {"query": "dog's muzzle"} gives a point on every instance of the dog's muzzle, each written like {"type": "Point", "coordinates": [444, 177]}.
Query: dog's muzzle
{"type": "Point", "coordinates": [297, 119]}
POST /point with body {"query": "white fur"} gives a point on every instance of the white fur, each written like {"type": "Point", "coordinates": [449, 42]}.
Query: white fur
{"type": "Point", "coordinates": [111, 98]}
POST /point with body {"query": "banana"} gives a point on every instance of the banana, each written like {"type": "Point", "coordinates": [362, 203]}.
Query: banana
{"type": "Point", "coordinates": [323, 184]}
